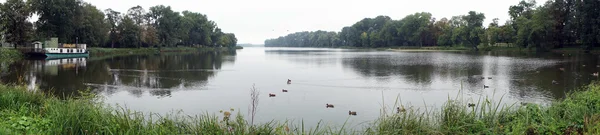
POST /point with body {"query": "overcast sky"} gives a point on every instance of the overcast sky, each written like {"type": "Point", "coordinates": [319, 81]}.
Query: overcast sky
{"type": "Point", "coordinates": [253, 21]}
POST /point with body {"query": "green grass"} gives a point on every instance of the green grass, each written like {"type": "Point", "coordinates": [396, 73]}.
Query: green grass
{"type": "Point", "coordinates": [25, 112]}
{"type": "Point", "coordinates": [579, 113]}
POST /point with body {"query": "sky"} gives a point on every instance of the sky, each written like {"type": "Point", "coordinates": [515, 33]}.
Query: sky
{"type": "Point", "coordinates": [253, 21]}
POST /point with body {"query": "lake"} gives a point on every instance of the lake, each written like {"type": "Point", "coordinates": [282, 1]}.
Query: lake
{"type": "Point", "coordinates": [365, 81]}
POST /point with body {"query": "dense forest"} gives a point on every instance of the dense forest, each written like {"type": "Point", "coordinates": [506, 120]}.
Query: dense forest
{"type": "Point", "coordinates": [555, 24]}
{"type": "Point", "coordinates": [77, 21]}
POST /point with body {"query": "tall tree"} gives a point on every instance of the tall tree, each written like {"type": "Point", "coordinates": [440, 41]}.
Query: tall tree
{"type": "Point", "coordinates": [166, 22]}
{"type": "Point", "coordinates": [57, 18]}
{"type": "Point", "coordinates": [113, 18]}
{"type": "Point", "coordinates": [93, 29]}
{"type": "Point", "coordinates": [138, 15]}
{"type": "Point", "coordinates": [14, 14]}
{"type": "Point", "coordinates": [128, 32]}
{"type": "Point", "coordinates": [474, 28]}
{"type": "Point", "coordinates": [590, 23]}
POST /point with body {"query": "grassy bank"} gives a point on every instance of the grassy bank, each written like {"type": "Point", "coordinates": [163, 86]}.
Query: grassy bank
{"type": "Point", "coordinates": [23, 112]}
{"type": "Point", "coordinates": [9, 55]}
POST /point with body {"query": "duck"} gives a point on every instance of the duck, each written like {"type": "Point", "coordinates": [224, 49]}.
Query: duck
{"type": "Point", "coordinates": [271, 95]}
{"type": "Point", "coordinates": [595, 74]}
{"type": "Point", "coordinates": [537, 72]}
{"type": "Point", "coordinates": [400, 109]}
{"type": "Point", "coordinates": [554, 82]}
{"type": "Point", "coordinates": [329, 106]}
{"type": "Point", "coordinates": [561, 69]}
{"type": "Point", "coordinates": [471, 105]}
{"type": "Point", "coordinates": [351, 113]}
{"type": "Point", "coordinates": [490, 78]}
{"type": "Point", "coordinates": [289, 81]}
{"type": "Point", "coordinates": [284, 90]}
{"type": "Point", "coordinates": [485, 86]}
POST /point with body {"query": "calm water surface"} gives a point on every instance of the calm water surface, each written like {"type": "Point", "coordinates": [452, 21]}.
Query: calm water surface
{"type": "Point", "coordinates": [362, 81]}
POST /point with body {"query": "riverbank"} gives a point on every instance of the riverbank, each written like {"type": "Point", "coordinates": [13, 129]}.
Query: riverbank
{"type": "Point", "coordinates": [25, 112]}
{"type": "Point", "coordinates": [98, 52]}
{"type": "Point", "coordinates": [10, 55]}
{"type": "Point", "coordinates": [481, 48]}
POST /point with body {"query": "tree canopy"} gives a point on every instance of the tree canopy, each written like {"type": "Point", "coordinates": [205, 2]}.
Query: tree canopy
{"type": "Point", "coordinates": [555, 24]}
{"type": "Point", "coordinates": [76, 21]}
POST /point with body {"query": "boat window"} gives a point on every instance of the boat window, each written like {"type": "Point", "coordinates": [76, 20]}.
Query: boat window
{"type": "Point", "coordinates": [60, 50]}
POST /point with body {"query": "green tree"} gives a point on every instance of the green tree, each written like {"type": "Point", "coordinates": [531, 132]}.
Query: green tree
{"type": "Point", "coordinates": [150, 35]}
{"type": "Point", "coordinates": [445, 36]}
{"type": "Point", "coordinates": [590, 23]}
{"type": "Point", "coordinates": [57, 18]}
{"type": "Point", "coordinates": [128, 31]}
{"type": "Point", "coordinates": [166, 22]}
{"type": "Point", "coordinates": [93, 29]}
{"type": "Point", "coordinates": [415, 27]}
{"type": "Point", "coordinates": [14, 14]}
{"type": "Point", "coordinates": [138, 15]}
{"type": "Point", "coordinates": [113, 18]}
{"type": "Point", "coordinates": [474, 28]}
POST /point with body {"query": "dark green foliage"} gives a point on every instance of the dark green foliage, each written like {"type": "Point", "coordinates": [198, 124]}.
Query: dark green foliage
{"type": "Point", "coordinates": [13, 15]}
{"type": "Point", "coordinates": [93, 28]}
{"type": "Point", "coordinates": [553, 25]}
{"type": "Point", "coordinates": [74, 21]}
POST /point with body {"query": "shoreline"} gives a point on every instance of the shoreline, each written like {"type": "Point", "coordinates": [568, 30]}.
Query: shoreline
{"type": "Point", "coordinates": [104, 52]}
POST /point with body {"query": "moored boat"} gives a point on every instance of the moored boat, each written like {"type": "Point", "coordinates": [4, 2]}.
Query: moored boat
{"type": "Point", "coordinates": [53, 50]}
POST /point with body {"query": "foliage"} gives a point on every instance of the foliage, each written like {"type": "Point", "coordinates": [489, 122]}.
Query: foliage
{"type": "Point", "coordinates": [9, 55]}
{"type": "Point", "coordinates": [14, 14]}
{"type": "Point", "coordinates": [93, 28]}
{"type": "Point", "coordinates": [555, 24]}
{"type": "Point", "coordinates": [75, 21]}
{"type": "Point", "coordinates": [129, 33]}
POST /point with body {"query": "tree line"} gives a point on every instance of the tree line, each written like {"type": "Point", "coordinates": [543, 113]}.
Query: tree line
{"type": "Point", "coordinates": [555, 24]}
{"type": "Point", "coordinates": [77, 21]}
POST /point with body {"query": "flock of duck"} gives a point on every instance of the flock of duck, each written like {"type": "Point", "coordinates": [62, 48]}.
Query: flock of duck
{"type": "Point", "coordinates": [326, 105]}
{"type": "Point", "coordinates": [404, 110]}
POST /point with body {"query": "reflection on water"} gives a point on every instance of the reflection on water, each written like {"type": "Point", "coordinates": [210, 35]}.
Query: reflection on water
{"type": "Point", "coordinates": [154, 74]}
{"type": "Point", "coordinates": [357, 80]}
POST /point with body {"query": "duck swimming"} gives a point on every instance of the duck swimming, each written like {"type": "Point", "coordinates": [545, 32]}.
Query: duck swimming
{"type": "Point", "coordinates": [352, 113]}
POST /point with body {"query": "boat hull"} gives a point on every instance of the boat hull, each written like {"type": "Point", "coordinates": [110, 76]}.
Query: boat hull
{"type": "Point", "coordinates": [65, 55]}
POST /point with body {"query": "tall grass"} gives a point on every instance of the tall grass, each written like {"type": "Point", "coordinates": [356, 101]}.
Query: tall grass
{"type": "Point", "coordinates": [25, 112]}
{"type": "Point", "coordinates": [579, 113]}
